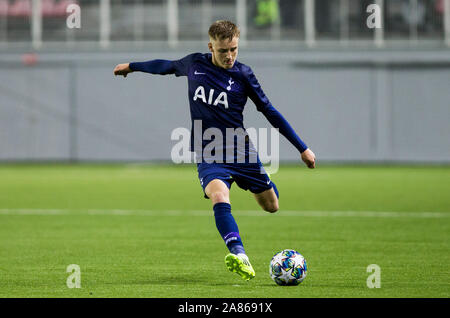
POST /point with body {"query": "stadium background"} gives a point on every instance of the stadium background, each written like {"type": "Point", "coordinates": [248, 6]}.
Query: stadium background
{"type": "Point", "coordinates": [373, 104]}
{"type": "Point", "coordinates": [352, 93]}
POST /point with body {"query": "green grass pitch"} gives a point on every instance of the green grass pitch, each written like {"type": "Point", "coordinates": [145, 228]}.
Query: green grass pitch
{"type": "Point", "coordinates": [146, 231]}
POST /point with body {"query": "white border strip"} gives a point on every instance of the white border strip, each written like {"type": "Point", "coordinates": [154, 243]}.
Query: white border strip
{"type": "Point", "coordinates": [375, 214]}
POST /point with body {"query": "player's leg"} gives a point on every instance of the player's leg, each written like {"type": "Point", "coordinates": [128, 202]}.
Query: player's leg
{"type": "Point", "coordinates": [255, 179]}
{"type": "Point", "coordinates": [237, 261]}
{"type": "Point", "coordinates": [268, 200]}
{"type": "Point", "coordinates": [219, 194]}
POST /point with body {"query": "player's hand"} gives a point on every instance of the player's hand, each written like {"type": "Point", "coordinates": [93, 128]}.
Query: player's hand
{"type": "Point", "coordinates": [122, 69]}
{"type": "Point", "coordinates": [309, 158]}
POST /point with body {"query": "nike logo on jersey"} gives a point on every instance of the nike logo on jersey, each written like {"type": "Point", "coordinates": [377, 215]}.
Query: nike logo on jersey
{"type": "Point", "coordinates": [268, 181]}
{"type": "Point", "coordinates": [198, 73]}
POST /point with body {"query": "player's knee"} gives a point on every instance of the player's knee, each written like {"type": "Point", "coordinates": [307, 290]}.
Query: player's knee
{"type": "Point", "coordinates": [219, 196]}
{"type": "Point", "coordinates": [272, 207]}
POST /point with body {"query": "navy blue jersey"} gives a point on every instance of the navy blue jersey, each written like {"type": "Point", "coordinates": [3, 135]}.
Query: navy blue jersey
{"type": "Point", "coordinates": [217, 98]}
{"type": "Point", "coordinates": [218, 93]}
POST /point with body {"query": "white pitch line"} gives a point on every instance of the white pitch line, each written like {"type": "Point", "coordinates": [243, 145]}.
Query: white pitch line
{"type": "Point", "coordinates": [375, 214]}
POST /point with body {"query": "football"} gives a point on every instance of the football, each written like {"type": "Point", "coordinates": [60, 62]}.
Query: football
{"type": "Point", "coordinates": [288, 268]}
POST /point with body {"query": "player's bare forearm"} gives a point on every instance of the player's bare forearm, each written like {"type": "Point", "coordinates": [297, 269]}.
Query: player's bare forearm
{"type": "Point", "coordinates": [122, 69]}
{"type": "Point", "coordinates": [309, 158]}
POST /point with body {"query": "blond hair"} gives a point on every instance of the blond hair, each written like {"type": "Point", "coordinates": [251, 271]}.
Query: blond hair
{"type": "Point", "coordinates": [223, 29]}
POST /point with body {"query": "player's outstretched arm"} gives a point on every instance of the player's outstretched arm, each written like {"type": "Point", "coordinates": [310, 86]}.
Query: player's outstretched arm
{"type": "Point", "coordinates": [161, 67]}
{"type": "Point", "coordinates": [123, 69]}
{"type": "Point", "coordinates": [277, 120]}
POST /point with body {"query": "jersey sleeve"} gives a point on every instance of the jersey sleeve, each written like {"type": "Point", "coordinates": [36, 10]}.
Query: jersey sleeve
{"type": "Point", "coordinates": [183, 65]}
{"type": "Point", "coordinates": [163, 67]}
{"type": "Point", "coordinates": [275, 118]}
{"type": "Point", "coordinates": [278, 121]}
{"type": "Point", "coordinates": [254, 90]}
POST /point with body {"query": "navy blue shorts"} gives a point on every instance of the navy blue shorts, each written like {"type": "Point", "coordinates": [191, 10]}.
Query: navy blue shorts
{"type": "Point", "coordinates": [248, 176]}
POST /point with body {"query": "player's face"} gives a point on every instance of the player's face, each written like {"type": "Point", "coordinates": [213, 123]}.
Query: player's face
{"type": "Point", "coordinates": [224, 52]}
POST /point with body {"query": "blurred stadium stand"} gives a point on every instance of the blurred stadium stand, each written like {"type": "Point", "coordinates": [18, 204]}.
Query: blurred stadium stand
{"type": "Point", "coordinates": [353, 93]}
{"type": "Point", "coordinates": [138, 22]}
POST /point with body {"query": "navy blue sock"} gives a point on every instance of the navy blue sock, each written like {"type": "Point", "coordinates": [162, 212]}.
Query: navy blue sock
{"type": "Point", "coordinates": [228, 228]}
